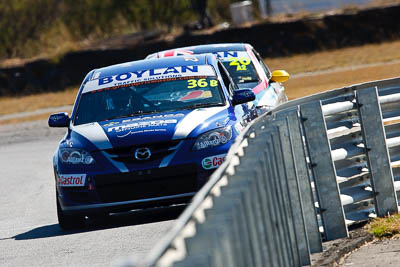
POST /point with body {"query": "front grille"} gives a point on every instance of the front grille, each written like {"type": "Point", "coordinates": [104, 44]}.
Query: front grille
{"type": "Point", "coordinates": [76, 194]}
{"type": "Point", "coordinates": [127, 154]}
{"type": "Point", "coordinates": [147, 183]}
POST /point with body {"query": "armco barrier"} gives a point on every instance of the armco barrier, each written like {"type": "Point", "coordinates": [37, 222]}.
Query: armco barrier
{"type": "Point", "coordinates": [296, 176]}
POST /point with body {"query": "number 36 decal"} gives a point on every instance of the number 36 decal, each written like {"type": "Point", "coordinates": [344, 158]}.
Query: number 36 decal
{"type": "Point", "coordinates": [201, 83]}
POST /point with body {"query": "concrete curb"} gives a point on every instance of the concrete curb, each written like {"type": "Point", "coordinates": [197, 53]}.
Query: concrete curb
{"type": "Point", "coordinates": [337, 249]}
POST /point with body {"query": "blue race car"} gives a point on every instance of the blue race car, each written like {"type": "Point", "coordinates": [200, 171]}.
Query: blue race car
{"type": "Point", "coordinates": [247, 69]}
{"type": "Point", "coordinates": [145, 134]}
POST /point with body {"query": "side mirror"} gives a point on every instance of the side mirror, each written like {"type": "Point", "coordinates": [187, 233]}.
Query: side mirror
{"type": "Point", "coordinates": [242, 96]}
{"type": "Point", "coordinates": [280, 76]}
{"type": "Point", "coordinates": [59, 120]}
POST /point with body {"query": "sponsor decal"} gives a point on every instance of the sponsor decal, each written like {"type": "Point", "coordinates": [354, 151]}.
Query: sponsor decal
{"type": "Point", "coordinates": [141, 125]}
{"type": "Point", "coordinates": [133, 77]}
{"type": "Point", "coordinates": [213, 161]}
{"type": "Point", "coordinates": [165, 116]}
{"type": "Point", "coordinates": [71, 180]}
{"type": "Point", "coordinates": [227, 54]}
{"type": "Point", "coordinates": [111, 123]}
{"type": "Point", "coordinates": [178, 115]}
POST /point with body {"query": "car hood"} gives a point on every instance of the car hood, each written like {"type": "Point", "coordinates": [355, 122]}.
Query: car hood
{"type": "Point", "coordinates": [153, 128]}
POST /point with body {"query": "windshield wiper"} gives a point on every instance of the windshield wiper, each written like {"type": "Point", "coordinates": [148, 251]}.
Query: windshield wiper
{"type": "Point", "coordinates": [136, 113]}
{"type": "Point", "coordinates": [202, 105]}
{"type": "Point", "coordinates": [141, 112]}
{"type": "Point", "coordinates": [249, 81]}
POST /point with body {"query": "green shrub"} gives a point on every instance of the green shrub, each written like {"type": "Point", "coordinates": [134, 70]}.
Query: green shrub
{"type": "Point", "coordinates": [385, 227]}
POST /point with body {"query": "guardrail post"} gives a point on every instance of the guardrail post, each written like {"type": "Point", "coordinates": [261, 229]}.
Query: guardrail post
{"type": "Point", "coordinates": [284, 190]}
{"type": "Point", "coordinates": [273, 224]}
{"type": "Point", "coordinates": [377, 152]}
{"type": "Point", "coordinates": [294, 193]}
{"type": "Point", "coordinates": [304, 181]}
{"type": "Point", "coordinates": [324, 171]}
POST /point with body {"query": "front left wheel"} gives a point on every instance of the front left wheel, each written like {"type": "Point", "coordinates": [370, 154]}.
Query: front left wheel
{"type": "Point", "coordinates": [69, 222]}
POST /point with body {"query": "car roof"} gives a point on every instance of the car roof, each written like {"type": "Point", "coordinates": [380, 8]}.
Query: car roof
{"type": "Point", "coordinates": [153, 64]}
{"type": "Point", "coordinates": [208, 48]}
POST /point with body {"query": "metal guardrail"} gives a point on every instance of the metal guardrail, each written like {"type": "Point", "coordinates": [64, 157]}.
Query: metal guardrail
{"type": "Point", "coordinates": [295, 177]}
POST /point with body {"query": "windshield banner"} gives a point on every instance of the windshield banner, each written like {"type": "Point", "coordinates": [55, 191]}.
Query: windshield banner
{"type": "Point", "coordinates": [133, 77]}
{"type": "Point", "coordinates": [228, 55]}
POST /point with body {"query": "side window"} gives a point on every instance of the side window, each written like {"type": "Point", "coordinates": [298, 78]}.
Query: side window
{"type": "Point", "coordinates": [266, 69]}
{"type": "Point", "coordinates": [230, 85]}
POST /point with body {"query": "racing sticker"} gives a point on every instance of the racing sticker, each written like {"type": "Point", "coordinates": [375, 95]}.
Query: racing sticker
{"type": "Point", "coordinates": [198, 94]}
{"type": "Point", "coordinates": [141, 124]}
{"type": "Point", "coordinates": [192, 83]}
{"type": "Point", "coordinates": [239, 59]}
{"type": "Point", "coordinates": [213, 161]}
{"type": "Point", "coordinates": [71, 180]}
{"type": "Point", "coordinates": [155, 117]}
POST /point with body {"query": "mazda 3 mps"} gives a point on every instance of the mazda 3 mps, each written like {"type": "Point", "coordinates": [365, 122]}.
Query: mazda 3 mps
{"type": "Point", "coordinates": [145, 134]}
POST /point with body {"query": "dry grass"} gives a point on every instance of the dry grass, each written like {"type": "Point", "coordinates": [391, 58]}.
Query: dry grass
{"type": "Point", "coordinates": [367, 54]}
{"type": "Point", "coordinates": [306, 85]}
{"type": "Point", "coordinates": [43, 116]}
{"type": "Point", "coordinates": [385, 227]}
{"type": "Point", "coordinates": [9, 105]}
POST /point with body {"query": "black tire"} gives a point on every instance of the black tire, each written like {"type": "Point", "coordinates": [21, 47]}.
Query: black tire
{"type": "Point", "coordinates": [69, 222]}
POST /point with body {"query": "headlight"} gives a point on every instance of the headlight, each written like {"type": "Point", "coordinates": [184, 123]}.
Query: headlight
{"type": "Point", "coordinates": [213, 138]}
{"type": "Point", "coordinates": [75, 156]}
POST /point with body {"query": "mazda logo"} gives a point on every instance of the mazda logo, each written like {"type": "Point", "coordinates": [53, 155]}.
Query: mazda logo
{"type": "Point", "coordinates": [142, 153]}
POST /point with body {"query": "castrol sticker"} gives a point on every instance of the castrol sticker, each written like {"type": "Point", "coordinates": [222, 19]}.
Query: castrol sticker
{"type": "Point", "coordinates": [71, 179]}
{"type": "Point", "coordinates": [213, 162]}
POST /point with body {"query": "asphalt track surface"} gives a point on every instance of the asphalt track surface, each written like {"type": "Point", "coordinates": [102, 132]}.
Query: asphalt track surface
{"type": "Point", "coordinates": [29, 232]}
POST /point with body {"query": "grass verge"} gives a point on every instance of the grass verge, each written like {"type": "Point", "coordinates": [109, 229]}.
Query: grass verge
{"type": "Point", "coordinates": [312, 84]}
{"type": "Point", "coordinates": [43, 116]}
{"type": "Point", "coordinates": [9, 105]}
{"type": "Point", "coordinates": [385, 227]}
{"type": "Point", "coordinates": [346, 57]}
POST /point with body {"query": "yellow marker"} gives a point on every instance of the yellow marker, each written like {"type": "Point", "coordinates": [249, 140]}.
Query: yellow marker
{"type": "Point", "coordinates": [240, 63]}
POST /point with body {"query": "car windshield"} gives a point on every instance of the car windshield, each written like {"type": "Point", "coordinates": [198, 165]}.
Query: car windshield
{"type": "Point", "coordinates": [147, 97]}
{"type": "Point", "coordinates": [239, 66]}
